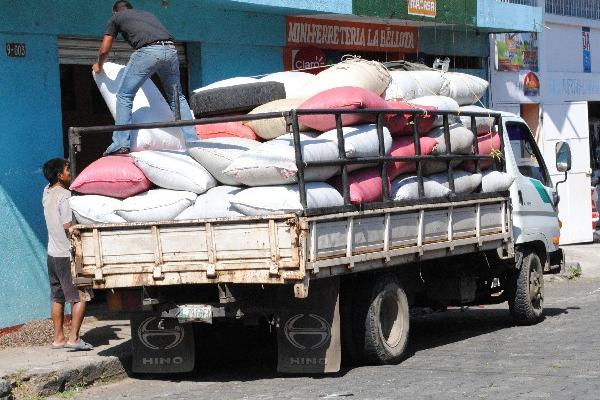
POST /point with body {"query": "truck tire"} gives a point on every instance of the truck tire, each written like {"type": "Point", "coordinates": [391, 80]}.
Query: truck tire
{"type": "Point", "coordinates": [526, 290]}
{"type": "Point", "coordinates": [386, 322]}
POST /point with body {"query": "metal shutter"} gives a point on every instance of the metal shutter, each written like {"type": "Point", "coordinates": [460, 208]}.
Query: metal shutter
{"type": "Point", "coordinates": [85, 51]}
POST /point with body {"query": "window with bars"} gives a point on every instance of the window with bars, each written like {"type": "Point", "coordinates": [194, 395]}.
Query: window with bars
{"type": "Point", "coordinates": [589, 9]}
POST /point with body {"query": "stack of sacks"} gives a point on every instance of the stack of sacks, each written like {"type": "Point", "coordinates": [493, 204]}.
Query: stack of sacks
{"type": "Point", "coordinates": [255, 161]}
{"type": "Point", "coordinates": [130, 177]}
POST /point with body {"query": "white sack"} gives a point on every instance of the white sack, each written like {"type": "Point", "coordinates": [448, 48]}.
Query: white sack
{"type": "Point", "coordinates": [461, 140]}
{"type": "Point", "coordinates": [442, 103]}
{"type": "Point", "coordinates": [464, 88]}
{"type": "Point", "coordinates": [170, 170]}
{"type": "Point", "coordinates": [155, 205]}
{"type": "Point", "coordinates": [216, 154]}
{"type": "Point", "coordinates": [216, 203]}
{"type": "Point", "coordinates": [464, 182]}
{"type": "Point", "coordinates": [371, 75]}
{"type": "Point", "coordinates": [94, 209]}
{"type": "Point", "coordinates": [149, 105]}
{"type": "Point", "coordinates": [484, 124]}
{"type": "Point", "coordinates": [408, 85]}
{"type": "Point", "coordinates": [274, 162]}
{"type": "Point", "coordinates": [293, 81]}
{"type": "Point", "coordinates": [496, 181]}
{"type": "Point", "coordinates": [285, 199]}
{"type": "Point", "coordinates": [361, 140]}
{"type": "Point", "coordinates": [407, 188]}
{"type": "Point", "coordinates": [240, 80]}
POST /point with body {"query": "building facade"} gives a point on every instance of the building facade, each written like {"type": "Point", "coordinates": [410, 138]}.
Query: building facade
{"type": "Point", "coordinates": [552, 80]}
{"type": "Point", "coordinates": [46, 85]}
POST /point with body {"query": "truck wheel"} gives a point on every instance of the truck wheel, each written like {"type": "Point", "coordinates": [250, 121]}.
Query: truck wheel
{"type": "Point", "coordinates": [386, 322]}
{"type": "Point", "coordinates": [526, 296]}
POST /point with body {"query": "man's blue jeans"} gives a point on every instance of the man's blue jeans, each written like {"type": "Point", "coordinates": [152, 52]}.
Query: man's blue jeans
{"type": "Point", "coordinates": [160, 59]}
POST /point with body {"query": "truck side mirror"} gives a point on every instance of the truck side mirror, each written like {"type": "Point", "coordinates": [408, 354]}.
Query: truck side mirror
{"type": "Point", "coordinates": [563, 157]}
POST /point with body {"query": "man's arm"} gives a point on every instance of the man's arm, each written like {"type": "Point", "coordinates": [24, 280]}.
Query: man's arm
{"type": "Point", "coordinates": [105, 47]}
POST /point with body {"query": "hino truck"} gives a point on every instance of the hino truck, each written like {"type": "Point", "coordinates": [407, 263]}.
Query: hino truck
{"type": "Point", "coordinates": [332, 281]}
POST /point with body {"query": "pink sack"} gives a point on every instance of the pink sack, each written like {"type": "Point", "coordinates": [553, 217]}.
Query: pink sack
{"type": "Point", "coordinates": [487, 143]}
{"type": "Point", "coordinates": [225, 129]}
{"type": "Point", "coordinates": [400, 124]}
{"type": "Point", "coordinates": [405, 147]}
{"type": "Point", "coordinates": [113, 176]}
{"type": "Point", "coordinates": [346, 98]}
{"type": "Point", "coordinates": [365, 185]}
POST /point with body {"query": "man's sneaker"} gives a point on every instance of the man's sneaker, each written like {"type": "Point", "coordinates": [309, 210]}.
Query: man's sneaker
{"type": "Point", "coordinates": [122, 150]}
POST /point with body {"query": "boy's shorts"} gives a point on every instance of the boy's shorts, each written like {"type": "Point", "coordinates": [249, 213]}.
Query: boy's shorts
{"type": "Point", "coordinates": [62, 289]}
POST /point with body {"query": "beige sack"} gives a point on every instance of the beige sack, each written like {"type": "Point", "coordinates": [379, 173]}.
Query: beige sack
{"type": "Point", "coordinates": [274, 127]}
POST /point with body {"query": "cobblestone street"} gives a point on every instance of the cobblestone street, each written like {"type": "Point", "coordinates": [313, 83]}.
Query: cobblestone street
{"type": "Point", "coordinates": [475, 353]}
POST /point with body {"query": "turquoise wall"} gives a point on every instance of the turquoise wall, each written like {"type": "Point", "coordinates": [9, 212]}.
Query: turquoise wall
{"type": "Point", "coordinates": [498, 16]}
{"type": "Point", "coordinates": [31, 133]}
{"type": "Point", "coordinates": [460, 42]}
{"type": "Point", "coordinates": [225, 39]}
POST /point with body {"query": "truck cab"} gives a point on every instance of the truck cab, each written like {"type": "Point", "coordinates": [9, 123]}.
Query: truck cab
{"type": "Point", "coordinates": [534, 198]}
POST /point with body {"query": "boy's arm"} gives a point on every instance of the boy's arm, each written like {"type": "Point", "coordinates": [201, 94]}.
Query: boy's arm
{"type": "Point", "coordinates": [66, 214]}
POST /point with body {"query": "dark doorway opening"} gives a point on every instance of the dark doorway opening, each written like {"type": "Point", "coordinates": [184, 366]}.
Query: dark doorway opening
{"type": "Point", "coordinates": [82, 105]}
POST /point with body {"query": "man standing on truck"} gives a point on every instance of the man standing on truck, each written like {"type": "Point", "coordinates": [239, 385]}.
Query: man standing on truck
{"type": "Point", "coordinates": [58, 215]}
{"type": "Point", "coordinates": [154, 52]}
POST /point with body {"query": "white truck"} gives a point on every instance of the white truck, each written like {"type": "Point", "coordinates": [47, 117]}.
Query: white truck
{"type": "Point", "coordinates": [331, 281]}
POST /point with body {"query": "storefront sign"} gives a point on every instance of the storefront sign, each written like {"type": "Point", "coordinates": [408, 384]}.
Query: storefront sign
{"type": "Point", "coordinates": [587, 51]}
{"type": "Point", "coordinates": [426, 8]}
{"type": "Point", "coordinates": [16, 49]}
{"type": "Point", "coordinates": [349, 35]}
{"type": "Point", "coordinates": [517, 51]}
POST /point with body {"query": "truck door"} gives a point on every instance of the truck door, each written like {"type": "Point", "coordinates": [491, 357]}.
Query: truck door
{"type": "Point", "coordinates": [535, 217]}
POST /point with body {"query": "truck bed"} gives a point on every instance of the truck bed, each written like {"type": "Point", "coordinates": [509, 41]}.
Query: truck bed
{"type": "Point", "coordinates": [285, 249]}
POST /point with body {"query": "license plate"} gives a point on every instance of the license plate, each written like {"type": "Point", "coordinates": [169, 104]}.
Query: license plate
{"type": "Point", "coordinates": [195, 312]}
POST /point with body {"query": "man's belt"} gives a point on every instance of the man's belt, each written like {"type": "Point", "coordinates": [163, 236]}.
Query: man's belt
{"type": "Point", "coordinates": [162, 42]}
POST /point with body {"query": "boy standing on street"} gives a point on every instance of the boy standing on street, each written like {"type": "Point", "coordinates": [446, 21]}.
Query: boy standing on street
{"type": "Point", "coordinates": [58, 215]}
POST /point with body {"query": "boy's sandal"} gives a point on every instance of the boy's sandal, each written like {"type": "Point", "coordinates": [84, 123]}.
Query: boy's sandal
{"type": "Point", "coordinates": [79, 346]}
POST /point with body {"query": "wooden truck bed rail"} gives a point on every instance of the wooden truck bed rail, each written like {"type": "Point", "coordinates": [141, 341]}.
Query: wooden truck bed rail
{"type": "Point", "coordinates": [283, 249]}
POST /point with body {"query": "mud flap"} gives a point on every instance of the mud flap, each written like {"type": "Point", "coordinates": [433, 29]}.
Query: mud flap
{"type": "Point", "coordinates": [161, 345]}
{"type": "Point", "coordinates": [308, 334]}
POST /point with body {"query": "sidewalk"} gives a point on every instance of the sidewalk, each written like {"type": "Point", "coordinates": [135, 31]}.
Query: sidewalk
{"type": "Point", "coordinates": [28, 372]}
{"type": "Point", "coordinates": [588, 257]}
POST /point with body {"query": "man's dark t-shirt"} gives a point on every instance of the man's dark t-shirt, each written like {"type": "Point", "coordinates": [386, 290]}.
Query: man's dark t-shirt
{"type": "Point", "coordinates": [138, 28]}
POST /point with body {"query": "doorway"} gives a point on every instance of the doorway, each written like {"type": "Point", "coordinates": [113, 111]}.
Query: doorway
{"type": "Point", "coordinates": [81, 102]}
{"type": "Point", "coordinates": [530, 112]}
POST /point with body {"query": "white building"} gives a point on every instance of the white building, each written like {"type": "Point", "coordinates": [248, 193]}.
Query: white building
{"type": "Point", "coordinates": [566, 105]}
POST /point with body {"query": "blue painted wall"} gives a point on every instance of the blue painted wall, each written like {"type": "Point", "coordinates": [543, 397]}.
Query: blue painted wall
{"type": "Point", "coordinates": [508, 17]}
{"type": "Point", "coordinates": [225, 38]}
{"type": "Point", "coordinates": [31, 133]}
{"type": "Point", "coordinates": [459, 42]}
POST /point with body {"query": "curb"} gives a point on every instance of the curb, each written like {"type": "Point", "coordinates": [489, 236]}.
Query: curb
{"type": "Point", "coordinates": [47, 382]}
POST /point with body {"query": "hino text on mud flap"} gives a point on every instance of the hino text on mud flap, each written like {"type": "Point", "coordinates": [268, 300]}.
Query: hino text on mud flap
{"type": "Point", "coordinates": [308, 335]}
{"type": "Point", "coordinates": [161, 345]}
